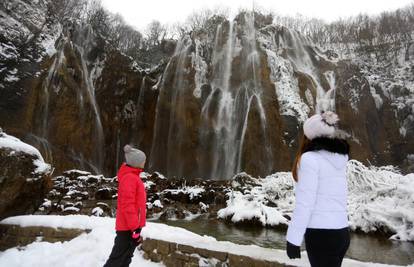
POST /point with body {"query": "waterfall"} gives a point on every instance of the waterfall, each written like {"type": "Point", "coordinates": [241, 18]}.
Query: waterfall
{"type": "Point", "coordinates": [90, 90]}
{"type": "Point", "coordinates": [169, 127]}
{"type": "Point", "coordinates": [302, 60]}
{"type": "Point", "coordinates": [42, 144]}
{"type": "Point", "coordinates": [139, 105]}
{"type": "Point", "coordinates": [224, 152]}
{"type": "Point", "coordinates": [39, 138]}
{"type": "Point", "coordinates": [46, 89]}
{"type": "Point", "coordinates": [214, 105]}
{"type": "Point", "coordinates": [229, 59]}
{"type": "Point", "coordinates": [176, 132]}
{"type": "Point", "coordinates": [84, 43]}
{"type": "Point", "coordinates": [327, 100]}
{"type": "Point", "coordinates": [228, 105]}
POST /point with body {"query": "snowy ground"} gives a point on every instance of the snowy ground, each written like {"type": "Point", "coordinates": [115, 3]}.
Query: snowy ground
{"type": "Point", "coordinates": [92, 249]}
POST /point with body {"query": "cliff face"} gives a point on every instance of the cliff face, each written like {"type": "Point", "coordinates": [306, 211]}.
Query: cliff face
{"type": "Point", "coordinates": [68, 93]}
{"type": "Point", "coordinates": [231, 98]}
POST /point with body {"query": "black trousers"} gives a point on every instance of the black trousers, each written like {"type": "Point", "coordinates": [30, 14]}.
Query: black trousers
{"type": "Point", "coordinates": [122, 251]}
{"type": "Point", "coordinates": [326, 247]}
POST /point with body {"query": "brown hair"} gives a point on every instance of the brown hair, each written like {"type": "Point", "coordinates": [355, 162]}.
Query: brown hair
{"type": "Point", "coordinates": [304, 143]}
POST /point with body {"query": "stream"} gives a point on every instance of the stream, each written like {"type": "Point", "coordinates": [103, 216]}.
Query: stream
{"type": "Point", "coordinates": [368, 248]}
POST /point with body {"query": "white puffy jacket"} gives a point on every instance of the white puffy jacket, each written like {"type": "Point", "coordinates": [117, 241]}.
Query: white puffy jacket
{"type": "Point", "coordinates": [321, 194]}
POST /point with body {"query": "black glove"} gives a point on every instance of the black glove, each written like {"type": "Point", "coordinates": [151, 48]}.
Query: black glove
{"type": "Point", "coordinates": [136, 236]}
{"type": "Point", "coordinates": [292, 251]}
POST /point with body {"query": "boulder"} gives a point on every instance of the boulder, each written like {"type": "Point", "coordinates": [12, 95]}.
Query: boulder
{"type": "Point", "coordinates": [104, 193]}
{"type": "Point", "coordinates": [243, 180]}
{"type": "Point", "coordinates": [24, 177]}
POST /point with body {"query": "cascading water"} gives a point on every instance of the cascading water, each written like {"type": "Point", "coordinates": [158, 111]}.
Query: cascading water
{"type": "Point", "coordinates": [224, 158]}
{"type": "Point", "coordinates": [99, 145]}
{"type": "Point", "coordinates": [327, 102]}
{"type": "Point", "coordinates": [40, 136]}
{"type": "Point", "coordinates": [232, 103]}
{"type": "Point", "coordinates": [216, 147]}
{"type": "Point", "coordinates": [169, 133]}
{"type": "Point", "coordinates": [140, 104]}
{"type": "Point", "coordinates": [46, 87]}
{"type": "Point", "coordinates": [302, 60]}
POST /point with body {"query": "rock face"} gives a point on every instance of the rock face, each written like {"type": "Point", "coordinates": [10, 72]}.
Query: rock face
{"type": "Point", "coordinates": [231, 98]}
{"type": "Point", "coordinates": [24, 177]}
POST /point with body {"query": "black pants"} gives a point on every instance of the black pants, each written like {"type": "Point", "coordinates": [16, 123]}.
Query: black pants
{"type": "Point", "coordinates": [122, 251]}
{"type": "Point", "coordinates": [326, 247]}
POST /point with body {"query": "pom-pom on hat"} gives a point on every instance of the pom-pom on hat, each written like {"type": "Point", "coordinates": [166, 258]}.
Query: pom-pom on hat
{"type": "Point", "coordinates": [321, 125]}
{"type": "Point", "coordinates": [134, 157]}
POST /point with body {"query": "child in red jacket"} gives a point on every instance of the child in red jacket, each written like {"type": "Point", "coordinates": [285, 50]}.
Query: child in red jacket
{"type": "Point", "coordinates": [131, 208]}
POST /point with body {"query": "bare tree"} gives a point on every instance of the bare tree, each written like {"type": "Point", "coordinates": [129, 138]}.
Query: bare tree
{"type": "Point", "coordinates": [155, 33]}
{"type": "Point", "coordinates": [66, 11]}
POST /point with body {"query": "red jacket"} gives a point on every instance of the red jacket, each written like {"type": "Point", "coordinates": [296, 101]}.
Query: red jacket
{"type": "Point", "coordinates": [132, 199]}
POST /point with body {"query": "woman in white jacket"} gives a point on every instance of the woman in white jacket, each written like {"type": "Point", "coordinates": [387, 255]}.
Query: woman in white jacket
{"type": "Point", "coordinates": [320, 215]}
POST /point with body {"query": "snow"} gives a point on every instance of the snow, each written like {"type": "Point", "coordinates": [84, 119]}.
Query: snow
{"type": "Point", "coordinates": [48, 44]}
{"type": "Point", "coordinates": [92, 249]}
{"type": "Point", "coordinates": [380, 198]}
{"type": "Point", "coordinates": [144, 175]}
{"type": "Point", "coordinates": [97, 212]}
{"type": "Point", "coordinates": [72, 192]}
{"type": "Point", "coordinates": [47, 203]}
{"type": "Point", "coordinates": [8, 51]}
{"type": "Point", "coordinates": [240, 208]}
{"type": "Point", "coordinates": [82, 222]}
{"type": "Point", "coordinates": [74, 209]}
{"type": "Point", "coordinates": [204, 207]}
{"type": "Point", "coordinates": [390, 78]}
{"type": "Point", "coordinates": [11, 78]}
{"type": "Point", "coordinates": [12, 28]}
{"type": "Point", "coordinates": [157, 203]}
{"type": "Point", "coordinates": [88, 250]}
{"type": "Point", "coordinates": [286, 84]}
{"type": "Point", "coordinates": [160, 175]}
{"type": "Point", "coordinates": [148, 184]}
{"type": "Point", "coordinates": [253, 204]}
{"type": "Point", "coordinates": [192, 191]}
{"type": "Point", "coordinates": [15, 144]}
{"type": "Point", "coordinates": [85, 173]}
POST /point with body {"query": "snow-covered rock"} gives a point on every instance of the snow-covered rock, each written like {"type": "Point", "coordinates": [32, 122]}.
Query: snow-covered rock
{"type": "Point", "coordinates": [24, 177]}
{"type": "Point", "coordinates": [380, 199]}
{"type": "Point", "coordinates": [15, 145]}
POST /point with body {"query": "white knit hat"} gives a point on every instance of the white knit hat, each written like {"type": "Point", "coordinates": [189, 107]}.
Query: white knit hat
{"type": "Point", "coordinates": [134, 157]}
{"type": "Point", "coordinates": [321, 125]}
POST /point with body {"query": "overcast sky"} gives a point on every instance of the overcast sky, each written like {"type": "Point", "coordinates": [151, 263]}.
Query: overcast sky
{"type": "Point", "coordinates": [140, 13]}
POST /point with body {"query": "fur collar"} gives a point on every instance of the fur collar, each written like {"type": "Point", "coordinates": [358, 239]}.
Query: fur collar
{"type": "Point", "coordinates": [334, 145]}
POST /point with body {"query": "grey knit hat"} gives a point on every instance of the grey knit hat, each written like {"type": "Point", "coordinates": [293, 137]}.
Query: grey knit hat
{"type": "Point", "coordinates": [134, 157]}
